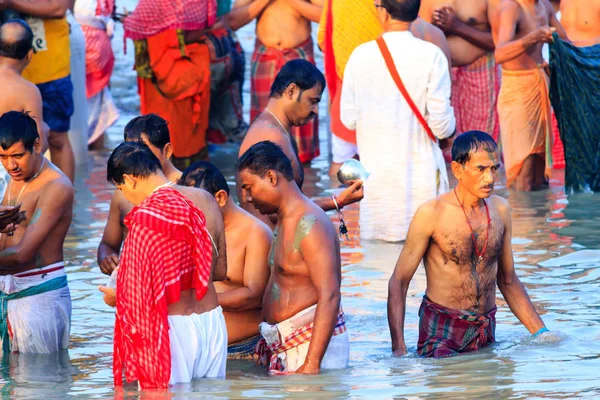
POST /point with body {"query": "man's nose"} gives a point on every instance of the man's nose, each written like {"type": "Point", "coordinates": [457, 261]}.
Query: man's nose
{"type": "Point", "coordinates": [315, 109]}
{"type": "Point", "coordinates": [12, 164]}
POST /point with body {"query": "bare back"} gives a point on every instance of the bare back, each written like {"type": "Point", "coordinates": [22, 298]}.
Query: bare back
{"type": "Point", "coordinates": [48, 203]}
{"type": "Point", "coordinates": [282, 27]}
{"type": "Point", "coordinates": [454, 278]}
{"type": "Point", "coordinates": [581, 20]}
{"type": "Point", "coordinates": [471, 12]}
{"type": "Point", "coordinates": [18, 94]}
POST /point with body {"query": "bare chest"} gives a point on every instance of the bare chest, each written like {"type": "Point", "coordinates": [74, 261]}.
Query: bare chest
{"type": "Point", "coordinates": [285, 257]}
{"type": "Point", "coordinates": [532, 18]}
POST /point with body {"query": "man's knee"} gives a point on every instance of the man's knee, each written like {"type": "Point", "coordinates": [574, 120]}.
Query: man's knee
{"type": "Point", "coordinates": [58, 140]}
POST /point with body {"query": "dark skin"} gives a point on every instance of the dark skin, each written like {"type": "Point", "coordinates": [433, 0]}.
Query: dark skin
{"type": "Point", "coordinates": [440, 236]}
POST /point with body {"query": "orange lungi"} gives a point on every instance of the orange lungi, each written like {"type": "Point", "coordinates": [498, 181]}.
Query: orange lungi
{"type": "Point", "coordinates": [179, 91]}
{"type": "Point", "coordinates": [525, 119]}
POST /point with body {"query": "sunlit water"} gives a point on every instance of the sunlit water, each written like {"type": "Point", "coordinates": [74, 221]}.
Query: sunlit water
{"type": "Point", "coordinates": [546, 225]}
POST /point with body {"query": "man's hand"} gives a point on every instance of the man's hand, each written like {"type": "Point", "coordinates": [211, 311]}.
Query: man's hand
{"type": "Point", "coordinates": [351, 194]}
{"type": "Point", "coordinates": [309, 368]}
{"type": "Point", "coordinates": [10, 217]}
{"type": "Point", "coordinates": [543, 34]}
{"type": "Point", "coordinates": [109, 263]}
{"type": "Point", "coordinates": [445, 19]}
{"type": "Point", "coordinates": [110, 296]}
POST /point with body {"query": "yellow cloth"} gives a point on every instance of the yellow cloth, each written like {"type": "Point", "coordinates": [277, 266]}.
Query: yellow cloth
{"type": "Point", "coordinates": [52, 58]}
{"type": "Point", "coordinates": [354, 22]}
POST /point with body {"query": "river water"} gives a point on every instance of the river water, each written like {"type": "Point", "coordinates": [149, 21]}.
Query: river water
{"type": "Point", "coordinates": [546, 225]}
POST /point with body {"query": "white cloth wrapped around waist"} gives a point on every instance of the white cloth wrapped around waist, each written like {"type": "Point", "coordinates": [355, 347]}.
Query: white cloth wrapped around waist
{"type": "Point", "coordinates": [288, 342]}
{"type": "Point", "coordinates": [38, 323]}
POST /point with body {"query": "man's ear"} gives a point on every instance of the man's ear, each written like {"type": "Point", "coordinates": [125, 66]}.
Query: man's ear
{"type": "Point", "coordinates": [221, 197]}
{"type": "Point", "coordinates": [291, 90]}
{"type": "Point", "coordinates": [457, 170]}
{"type": "Point", "coordinates": [167, 151]}
{"type": "Point", "coordinates": [272, 177]}
{"type": "Point", "coordinates": [130, 180]}
{"type": "Point", "coordinates": [37, 146]}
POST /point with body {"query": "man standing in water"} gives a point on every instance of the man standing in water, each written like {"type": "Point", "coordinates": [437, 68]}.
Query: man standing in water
{"type": "Point", "coordinates": [520, 28]}
{"type": "Point", "coordinates": [294, 100]}
{"type": "Point", "coordinates": [153, 131]}
{"type": "Point", "coordinates": [305, 328]}
{"type": "Point", "coordinates": [34, 296]}
{"type": "Point", "coordinates": [248, 243]}
{"type": "Point", "coordinates": [169, 327]}
{"type": "Point", "coordinates": [464, 241]}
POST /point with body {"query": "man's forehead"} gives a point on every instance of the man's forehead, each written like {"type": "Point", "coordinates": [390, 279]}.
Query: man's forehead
{"type": "Point", "coordinates": [484, 157]}
{"type": "Point", "coordinates": [17, 148]}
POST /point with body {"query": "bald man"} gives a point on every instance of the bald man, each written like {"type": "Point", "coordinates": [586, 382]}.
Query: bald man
{"type": "Point", "coordinates": [18, 94]}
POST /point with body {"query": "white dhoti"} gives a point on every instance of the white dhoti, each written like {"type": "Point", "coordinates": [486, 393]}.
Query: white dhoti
{"type": "Point", "coordinates": [36, 310]}
{"type": "Point", "coordinates": [198, 346]}
{"type": "Point", "coordinates": [289, 341]}
{"type": "Point", "coordinates": [103, 113]}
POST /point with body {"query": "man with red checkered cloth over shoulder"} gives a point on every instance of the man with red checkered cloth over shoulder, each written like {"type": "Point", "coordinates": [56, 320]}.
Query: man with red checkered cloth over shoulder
{"type": "Point", "coordinates": [169, 327]}
{"type": "Point", "coordinates": [305, 327]}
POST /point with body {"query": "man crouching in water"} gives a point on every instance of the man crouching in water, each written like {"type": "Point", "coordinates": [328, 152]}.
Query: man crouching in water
{"type": "Point", "coordinates": [465, 243]}
{"type": "Point", "coordinates": [169, 327]}
{"type": "Point", "coordinates": [35, 302]}
{"type": "Point", "coordinates": [248, 242]}
{"type": "Point", "coordinates": [305, 328]}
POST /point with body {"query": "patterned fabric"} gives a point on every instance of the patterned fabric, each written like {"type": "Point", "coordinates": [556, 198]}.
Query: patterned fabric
{"type": "Point", "coordinates": [269, 352]}
{"type": "Point", "coordinates": [558, 150]}
{"type": "Point", "coordinates": [167, 251]}
{"type": "Point", "coordinates": [445, 332]}
{"type": "Point", "coordinates": [266, 63]}
{"type": "Point", "coordinates": [243, 349]}
{"type": "Point", "coordinates": [475, 89]}
{"type": "Point", "coordinates": [575, 81]}
{"type": "Point", "coordinates": [154, 16]}
{"type": "Point", "coordinates": [227, 69]}
{"type": "Point", "coordinates": [525, 119]}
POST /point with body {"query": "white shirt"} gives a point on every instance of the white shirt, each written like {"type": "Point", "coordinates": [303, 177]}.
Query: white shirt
{"type": "Point", "coordinates": [405, 163]}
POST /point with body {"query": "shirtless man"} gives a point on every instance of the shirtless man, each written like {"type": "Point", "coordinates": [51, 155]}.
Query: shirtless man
{"type": "Point", "coordinates": [520, 28]}
{"type": "Point", "coordinates": [464, 239]}
{"type": "Point", "coordinates": [32, 275]}
{"type": "Point", "coordinates": [169, 326]}
{"type": "Point", "coordinates": [248, 243]}
{"type": "Point", "coordinates": [18, 94]}
{"type": "Point", "coordinates": [304, 286]}
{"type": "Point", "coordinates": [581, 20]}
{"type": "Point", "coordinates": [476, 78]}
{"type": "Point", "coordinates": [294, 100]}
{"type": "Point", "coordinates": [283, 33]}
{"type": "Point", "coordinates": [153, 131]}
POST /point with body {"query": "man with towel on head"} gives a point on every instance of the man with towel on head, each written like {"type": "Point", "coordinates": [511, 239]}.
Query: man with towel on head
{"type": "Point", "coordinates": [169, 327]}
{"type": "Point", "coordinates": [575, 83]}
{"type": "Point", "coordinates": [520, 28]}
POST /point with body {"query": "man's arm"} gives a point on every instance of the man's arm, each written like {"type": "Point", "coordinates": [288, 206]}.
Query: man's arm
{"type": "Point", "coordinates": [311, 10]}
{"type": "Point", "coordinates": [112, 239]}
{"type": "Point", "coordinates": [352, 194]}
{"type": "Point", "coordinates": [319, 250]}
{"type": "Point", "coordinates": [243, 12]}
{"type": "Point", "coordinates": [39, 8]}
{"type": "Point", "coordinates": [507, 48]}
{"type": "Point", "coordinates": [216, 228]}
{"type": "Point", "coordinates": [509, 284]}
{"type": "Point", "coordinates": [33, 105]}
{"type": "Point", "coordinates": [52, 205]}
{"type": "Point", "coordinates": [555, 23]}
{"type": "Point", "coordinates": [445, 18]}
{"type": "Point", "coordinates": [417, 242]}
{"type": "Point", "coordinates": [441, 115]}
{"type": "Point", "coordinates": [256, 274]}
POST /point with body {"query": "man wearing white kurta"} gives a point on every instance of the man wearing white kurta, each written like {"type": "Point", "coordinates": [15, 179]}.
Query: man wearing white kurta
{"type": "Point", "coordinates": [407, 167]}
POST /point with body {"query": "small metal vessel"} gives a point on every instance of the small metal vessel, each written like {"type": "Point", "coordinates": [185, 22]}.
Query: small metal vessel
{"type": "Point", "coordinates": [352, 170]}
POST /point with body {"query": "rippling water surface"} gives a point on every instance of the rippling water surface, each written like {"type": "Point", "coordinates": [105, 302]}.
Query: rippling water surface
{"type": "Point", "coordinates": [546, 225]}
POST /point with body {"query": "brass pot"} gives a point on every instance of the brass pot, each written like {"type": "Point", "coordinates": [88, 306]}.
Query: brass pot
{"type": "Point", "coordinates": [352, 170]}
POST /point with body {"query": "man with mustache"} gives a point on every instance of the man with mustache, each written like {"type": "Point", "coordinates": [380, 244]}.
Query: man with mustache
{"type": "Point", "coordinates": [294, 100]}
{"type": "Point", "coordinates": [463, 238]}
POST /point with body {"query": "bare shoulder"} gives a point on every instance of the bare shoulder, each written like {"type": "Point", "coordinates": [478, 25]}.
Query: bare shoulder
{"type": "Point", "coordinates": [508, 6]}
{"type": "Point", "coordinates": [500, 204]}
{"type": "Point", "coordinates": [118, 199]}
{"type": "Point", "coordinates": [58, 186]}
{"type": "Point", "coordinates": [260, 130]}
{"type": "Point", "coordinates": [258, 229]}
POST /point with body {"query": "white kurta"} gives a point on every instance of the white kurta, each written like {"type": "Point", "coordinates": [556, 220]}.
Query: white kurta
{"type": "Point", "coordinates": [405, 164]}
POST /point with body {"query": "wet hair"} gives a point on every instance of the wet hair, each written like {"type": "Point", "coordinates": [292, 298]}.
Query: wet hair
{"type": "Point", "coordinates": [18, 126]}
{"type": "Point", "coordinates": [204, 175]}
{"type": "Point", "coordinates": [402, 10]}
{"type": "Point", "coordinates": [16, 39]}
{"type": "Point", "coordinates": [471, 142]}
{"type": "Point", "coordinates": [131, 158]}
{"type": "Point", "coordinates": [151, 125]}
{"type": "Point", "coordinates": [301, 72]}
{"type": "Point", "coordinates": [263, 157]}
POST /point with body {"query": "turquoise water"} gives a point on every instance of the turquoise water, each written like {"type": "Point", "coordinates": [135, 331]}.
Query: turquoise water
{"type": "Point", "coordinates": [546, 225]}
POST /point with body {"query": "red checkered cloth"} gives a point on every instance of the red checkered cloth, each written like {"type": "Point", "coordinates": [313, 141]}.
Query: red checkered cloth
{"type": "Point", "coordinates": [446, 332]}
{"type": "Point", "coordinates": [266, 64]}
{"type": "Point", "coordinates": [99, 56]}
{"type": "Point", "coordinates": [154, 16]}
{"type": "Point", "coordinates": [270, 352]}
{"type": "Point", "coordinates": [167, 251]}
{"type": "Point", "coordinates": [558, 150]}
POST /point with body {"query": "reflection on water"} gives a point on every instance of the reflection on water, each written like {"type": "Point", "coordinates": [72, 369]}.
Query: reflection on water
{"type": "Point", "coordinates": [546, 225]}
